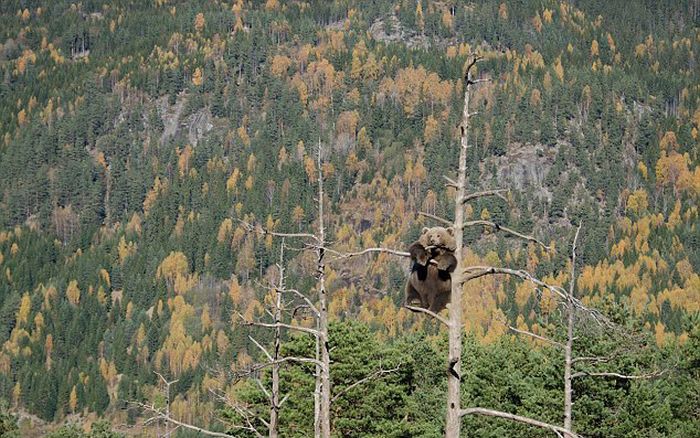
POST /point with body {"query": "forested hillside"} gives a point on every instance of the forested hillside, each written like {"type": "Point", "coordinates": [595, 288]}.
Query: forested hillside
{"type": "Point", "coordinates": [144, 145]}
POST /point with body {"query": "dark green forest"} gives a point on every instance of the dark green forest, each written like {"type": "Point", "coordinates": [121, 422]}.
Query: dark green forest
{"type": "Point", "coordinates": [139, 140]}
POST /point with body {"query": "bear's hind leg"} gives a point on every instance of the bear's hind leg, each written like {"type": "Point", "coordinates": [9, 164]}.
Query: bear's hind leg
{"type": "Point", "coordinates": [412, 295]}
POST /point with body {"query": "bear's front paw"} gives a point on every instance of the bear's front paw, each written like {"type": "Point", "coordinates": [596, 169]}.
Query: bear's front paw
{"type": "Point", "coordinates": [443, 264]}
{"type": "Point", "coordinates": [422, 258]}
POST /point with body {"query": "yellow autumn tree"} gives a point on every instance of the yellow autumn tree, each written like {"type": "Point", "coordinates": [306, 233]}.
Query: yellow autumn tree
{"type": "Point", "coordinates": [73, 400]}
{"type": "Point", "coordinates": [25, 307]}
{"type": "Point", "coordinates": [197, 77]}
{"type": "Point", "coordinates": [73, 292]}
{"type": "Point", "coordinates": [199, 22]}
{"type": "Point", "coordinates": [559, 69]}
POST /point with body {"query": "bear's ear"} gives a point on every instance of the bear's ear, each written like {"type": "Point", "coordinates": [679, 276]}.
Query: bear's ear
{"type": "Point", "coordinates": [424, 230]}
{"type": "Point", "coordinates": [451, 231]}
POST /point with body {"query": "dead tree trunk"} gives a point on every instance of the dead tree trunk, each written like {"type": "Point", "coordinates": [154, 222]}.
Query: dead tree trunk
{"type": "Point", "coordinates": [275, 385]}
{"type": "Point", "coordinates": [325, 378]}
{"type": "Point", "coordinates": [568, 391]}
{"type": "Point", "coordinates": [453, 420]}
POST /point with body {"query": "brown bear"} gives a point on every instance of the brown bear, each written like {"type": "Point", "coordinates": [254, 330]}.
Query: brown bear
{"type": "Point", "coordinates": [430, 284]}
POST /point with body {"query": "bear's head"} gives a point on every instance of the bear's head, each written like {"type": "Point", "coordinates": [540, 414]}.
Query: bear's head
{"type": "Point", "coordinates": [439, 237]}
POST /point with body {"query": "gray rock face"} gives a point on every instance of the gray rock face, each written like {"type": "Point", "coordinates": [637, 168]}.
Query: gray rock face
{"type": "Point", "coordinates": [198, 124]}
{"type": "Point", "coordinates": [524, 167]}
{"type": "Point", "coordinates": [195, 126]}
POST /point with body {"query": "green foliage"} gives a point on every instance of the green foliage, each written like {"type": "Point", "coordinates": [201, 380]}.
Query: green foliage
{"type": "Point", "coordinates": [8, 422]}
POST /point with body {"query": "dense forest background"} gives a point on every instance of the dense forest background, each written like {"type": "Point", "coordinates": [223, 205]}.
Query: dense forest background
{"type": "Point", "coordinates": [137, 138]}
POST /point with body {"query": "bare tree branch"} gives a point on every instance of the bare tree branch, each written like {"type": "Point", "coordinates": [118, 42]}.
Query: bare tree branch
{"type": "Point", "coordinates": [593, 359]}
{"type": "Point", "coordinates": [374, 375]}
{"type": "Point", "coordinates": [262, 388]}
{"type": "Point", "coordinates": [279, 325]}
{"type": "Point", "coordinates": [498, 227]}
{"type": "Point", "coordinates": [286, 359]}
{"type": "Point", "coordinates": [476, 195]}
{"type": "Point", "coordinates": [618, 375]}
{"type": "Point", "coordinates": [519, 419]}
{"type": "Point", "coordinates": [262, 230]}
{"type": "Point", "coordinates": [308, 302]}
{"type": "Point", "coordinates": [541, 338]}
{"type": "Point", "coordinates": [160, 415]}
{"type": "Point", "coordinates": [263, 349]}
{"type": "Point", "coordinates": [341, 255]}
{"type": "Point", "coordinates": [450, 181]}
{"type": "Point", "coordinates": [428, 312]}
{"type": "Point", "coordinates": [436, 218]}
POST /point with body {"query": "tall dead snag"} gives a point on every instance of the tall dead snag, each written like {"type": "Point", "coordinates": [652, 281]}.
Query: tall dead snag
{"type": "Point", "coordinates": [455, 326]}
{"type": "Point", "coordinates": [325, 368]}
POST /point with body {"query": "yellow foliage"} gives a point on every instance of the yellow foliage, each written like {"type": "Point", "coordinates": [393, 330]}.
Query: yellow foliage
{"type": "Point", "coordinates": [672, 169]}
{"type": "Point", "coordinates": [205, 318]}
{"type": "Point", "coordinates": [547, 15]}
{"type": "Point", "coordinates": [232, 180]}
{"type": "Point", "coordinates": [537, 22]}
{"type": "Point", "coordinates": [559, 69]}
{"type": "Point", "coordinates": [611, 42]}
{"type": "Point", "coordinates": [21, 117]}
{"type": "Point", "coordinates": [152, 195]}
{"type": "Point", "coordinates": [595, 51]}
{"type": "Point", "coordinates": [224, 230]}
{"type": "Point", "coordinates": [503, 11]}
{"type": "Point", "coordinates": [432, 128]}
{"type": "Point", "coordinates": [125, 249]}
{"type": "Point", "coordinates": [222, 342]}
{"type": "Point", "coordinates": [104, 275]}
{"type": "Point", "coordinates": [199, 22]}
{"type": "Point", "coordinates": [73, 292]}
{"type": "Point", "coordinates": [523, 291]}
{"type": "Point", "coordinates": [660, 334]}
{"type": "Point", "coordinates": [197, 77]}
{"type": "Point", "coordinates": [669, 142]}
{"type": "Point", "coordinates": [638, 201]}
{"type": "Point", "coordinates": [25, 307]}
{"type": "Point", "coordinates": [73, 400]}
{"type": "Point", "coordinates": [234, 291]}
{"type": "Point", "coordinates": [674, 218]}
